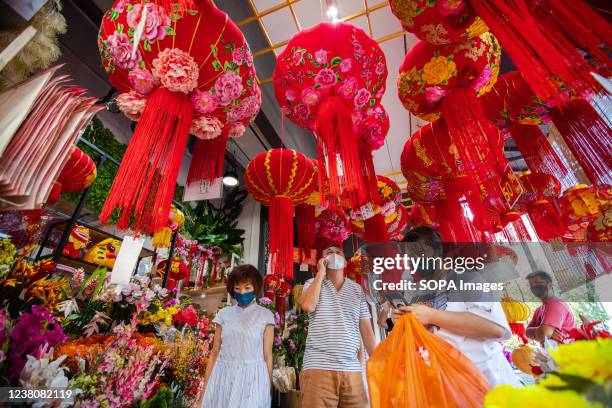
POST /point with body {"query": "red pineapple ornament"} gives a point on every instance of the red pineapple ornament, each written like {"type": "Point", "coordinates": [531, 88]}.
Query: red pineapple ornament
{"type": "Point", "coordinates": [177, 72]}
{"type": "Point", "coordinates": [78, 173]}
{"type": "Point", "coordinates": [280, 178]}
{"type": "Point", "coordinates": [320, 84]}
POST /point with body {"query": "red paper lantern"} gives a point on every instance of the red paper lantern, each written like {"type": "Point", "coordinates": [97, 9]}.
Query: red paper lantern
{"type": "Point", "coordinates": [431, 73]}
{"type": "Point", "coordinates": [280, 178]}
{"type": "Point", "coordinates": [178, 272]}
{"type": "Point", "coordinates": [332, 227]}
{"type": "Point", "coordinates": [191, 72]}
{"type": "Point", "coordinates": [437, 176]}
{"type": "Point", "coordinates": [438, 21]}
{"type": "Point", "coordinates": [78, 173]}
{"type": "Point", "coordinates": [600, 229]}
{"type": "Point", "coordinates": [539, 189]}
{"type": "Point", "coordinates": [319, 85]}
{"type": "Point", "coordinates": [580, 204]}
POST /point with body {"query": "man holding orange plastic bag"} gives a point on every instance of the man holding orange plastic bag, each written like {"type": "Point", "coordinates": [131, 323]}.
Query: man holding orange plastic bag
{"type": "Point", "coordinates": [475, 328]}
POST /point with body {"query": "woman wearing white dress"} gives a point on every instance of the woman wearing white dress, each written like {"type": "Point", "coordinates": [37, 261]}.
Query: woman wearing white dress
{"type": "Point", "coordinates": [239, 368]}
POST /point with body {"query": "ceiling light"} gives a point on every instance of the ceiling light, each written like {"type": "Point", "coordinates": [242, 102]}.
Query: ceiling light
{"type": "Point", "coordinates": [332, 13]}
{"type": "Point", "coordinates": [230, 179]}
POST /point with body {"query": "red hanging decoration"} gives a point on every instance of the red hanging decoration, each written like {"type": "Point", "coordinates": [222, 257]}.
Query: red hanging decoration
{"type": "Point", "coordinates": [438, 21]}
{"type": "Point", "coordinates": [280, 178]}
{"type": "Point", "coordinates": [332, 227]}
{"type": "Point", "coordinates": [78, 173]}
{"type": "Point", "coordinates": [541, 56]}
{"type": "Point", "coordinates": [305, 223]}
{"type": "Point", "coordinates": [398, 226]}
{"type": "Point", "coordinates": [422, 215]}
{"type": "Point", "coordinates": [175, 78]}
{"type": "Point", "coordinates": [319, 85]}
{"type": "Point", "coordinates": [539, 191]}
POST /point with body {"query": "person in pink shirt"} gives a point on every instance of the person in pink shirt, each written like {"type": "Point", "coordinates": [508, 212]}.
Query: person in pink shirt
{"type": "Point", "coordinates": [554, 318]}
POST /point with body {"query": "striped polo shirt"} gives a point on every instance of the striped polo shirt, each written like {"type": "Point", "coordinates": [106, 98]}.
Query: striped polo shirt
{"type": "Point", "coordinates": [334, 339]}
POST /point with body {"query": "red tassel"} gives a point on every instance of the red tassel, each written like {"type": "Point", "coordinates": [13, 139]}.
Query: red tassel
{"type": "Point", "coordinates": [208, 158]}
{"type": "Point", "coordinates": [539, 60]}
{"type": "Point", "coordinates": [281, 237]}
{"type": "Point", "coordinates": [305, 222]}
{"type": "Point", "coordinates": [369, 174]}
{"type": "Point", "coordinates": [589, 138]}
{"type": "Point", "coordinates": [519, 329]}
{"type": "Point", "coordinates": [335, 128]}
{"type": "Point", "coordinates": [375, 229]}
{"type": "Point", "coordinates": [578, 24]}
{"type": "Point", "coordinates": [537, 151]}
{"type": "Point", "coordinates": [146, 179]}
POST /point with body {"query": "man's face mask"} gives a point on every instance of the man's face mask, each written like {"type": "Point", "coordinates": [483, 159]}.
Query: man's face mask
{"type": "Point", "coordinates": [539, 290]}
{"type": "Point", "coordinates": [335, 261]}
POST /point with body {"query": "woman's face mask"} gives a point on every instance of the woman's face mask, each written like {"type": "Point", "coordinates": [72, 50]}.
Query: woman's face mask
{"type": "Point", "coordinates": [335, 261]}
{"type": "Point", "coordinates": [245, 298]}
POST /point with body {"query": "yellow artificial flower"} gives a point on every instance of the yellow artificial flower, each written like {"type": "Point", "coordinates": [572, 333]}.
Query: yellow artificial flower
{"type": "Point", "coordinates": [439, 69]}
{"type": "Point", "coordinates": [477, 28]}
{"type": "Point", "coordinates": [405, 81]}
{"type": "Point", "coordinates": [506, 396]}
{"type": "Point", "coordinates": [591, 359]}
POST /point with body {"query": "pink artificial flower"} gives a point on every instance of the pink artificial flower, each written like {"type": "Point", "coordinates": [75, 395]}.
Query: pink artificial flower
{"type": "Point", "coordinates": [203, 102]}
{"type": "Point", "coordinates": [120, 50]}
{"type": "Point", "coordinates": [347, 89]}
{"type": "Point", "coordinates": [380, 68]}
{"type": "Point", "coordinates": [156, 24]}
{"type": "Point", "coordinates": [206, 127]}
{"type": "Point", "coordinates": [247, 109]}
{"type": "Point", "coordinates": [301, 110]}
{"type": "Point", "coordinates": [228, 87]}
{"type": "Point", "coordinates": [238, 56]}
{"type": "Point", "coordinates": [433, 94]}
{"type": "Point", "coordinates": [483, 79]}
{"type": "Point", "coordinates": [362, 97]}
{"type": "Point", "coordinates": [120, 5]}
{"type": "Point", "coordinates": [236, 130]}
{"type": "Point", "coordinates": [450, 7]}
{"type": "Point", "coordinates": [132, 104]}
{"type": "Point", "coordinates": [248, 57]}
{"type": "Point", "coordinates": [358, 48]}
{"type": "Point", "coordinates": [346, 65]}
{"type": "Point", "coordinates": [142, 80]}
{"type": "Point", "coordinates": [321, 57]}
{"type": "Point", "coordinates": [277, 340]}
{"type": "Point", "coordinates": [298, 57]}
{"type": "Point", "coordinates": [311, 96]}
{"type": "Point", "coordinates": [291, 94]}
{"type": "Point", "coordinates": [326, 77]}
{"type": "Point", "coordinates": [176, 70]}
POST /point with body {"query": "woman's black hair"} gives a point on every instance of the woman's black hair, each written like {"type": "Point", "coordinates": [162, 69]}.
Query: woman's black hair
{"type": "Point", "coordinates": [430, 236]}
{"type": "Point", "coordinates": [244, 273]}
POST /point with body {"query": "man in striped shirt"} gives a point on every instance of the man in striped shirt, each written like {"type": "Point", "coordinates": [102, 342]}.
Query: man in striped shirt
{"type": "Point", "coordinates": [339, 319]}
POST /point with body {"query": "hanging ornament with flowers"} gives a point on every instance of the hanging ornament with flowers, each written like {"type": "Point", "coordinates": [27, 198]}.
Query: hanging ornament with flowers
{"type": "Point", "coordinates": [332, 227]}
{"type": "Point", "coordinates": [178, 72]}
{"type": "Point", "coordinates": [321, 85]}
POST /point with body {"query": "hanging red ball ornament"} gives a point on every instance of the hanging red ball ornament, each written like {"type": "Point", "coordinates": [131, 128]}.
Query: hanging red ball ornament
{"type": "Point", "coordinates": [332, 227]}
{"type": "Point", "coordinates": [319, 85]}
{"type": "Point", "coordinates": [439, 21]}
{"type": "Point", "coordinates": [175, 77]}
{"type": "Point", "coordinates": [539, 191]}
{"type": "Point", "coordinates": [78, 173]}
{"type": "Point", "coordinates": [280, 179]}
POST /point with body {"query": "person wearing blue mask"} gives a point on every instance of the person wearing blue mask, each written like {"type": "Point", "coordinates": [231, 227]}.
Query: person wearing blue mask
{"type": "Point", "coordinates": [239, 369]}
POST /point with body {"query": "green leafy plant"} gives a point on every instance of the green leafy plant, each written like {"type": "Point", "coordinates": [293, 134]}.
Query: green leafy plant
{"type": "Point", "coordinates": [218, 226]}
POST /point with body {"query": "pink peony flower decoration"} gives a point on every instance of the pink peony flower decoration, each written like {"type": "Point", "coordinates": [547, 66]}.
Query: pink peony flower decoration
{"type": "Point", "coordinates": [380, 68]}
{"type": "Point", "coordinates": [347, 89]}
{"type": "Point", "coordinates": [301, 110]}
{"type": "Point", "coordinates": [132, 104]}
{"type": "Point", "coordinates": [433, 94]}
{"type": "Point", "coordinates": [326, 77]}
{"type": "Point", "coordinates": [157, 22]}
{"type": "Point", "coordinates": [291, 94]}
{"type": "Point", "coordinates": [321, 57]}
{"type": "Point", "coordinates": [238, 56]}
{"type": "Point", "coordinates": [236, 130]}
{"type": "Point", "coordinates": [120, 51]}
{"type": "Point", "coordinates": [362, 97]}
{"type": "Point", "coordinates": [203, 102]}
{"type": "Point", "coordinates": [346, 65]}
{"type": "Point", "coordinates": [371, 134]}
{"type": "Point", "coordinates": [311, 96]}
{"type": "Point", "coordinates": [228, 87]}
{"type": "Point", "coordinates": [206, 127]}
{"type": "Point", "coordinates": [142, 80]}
{"type": "Point", "coordinates": [298, 57]}
{"type": "Point", "coordinates": [485, 76]}
{"type": "Point", "coordinates": [176, 70]}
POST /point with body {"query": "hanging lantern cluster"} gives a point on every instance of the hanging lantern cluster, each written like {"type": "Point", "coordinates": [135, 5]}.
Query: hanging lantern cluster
{"type": "Point", "coordinates": [177, 73]}
{"type": "Point", "coordinates": [322, 86]}
{"type": "Point", "coordinates": [280, 179]}
{"type": "Point", "coordinates": [78, 173]}
{"type": "Point", "coordinates": [539, 192]}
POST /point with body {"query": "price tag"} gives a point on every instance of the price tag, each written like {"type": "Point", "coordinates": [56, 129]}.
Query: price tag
{"type": "Point", "coordinates": [510, 187]}
{"type": "Point", "coordinates": [201, 190]}
{"type": "Point", "coordinates": [126, 260]}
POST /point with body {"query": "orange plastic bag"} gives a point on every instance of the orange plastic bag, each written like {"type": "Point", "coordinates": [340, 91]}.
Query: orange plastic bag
{"type": "Point", "coordinates": [413, 368]}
